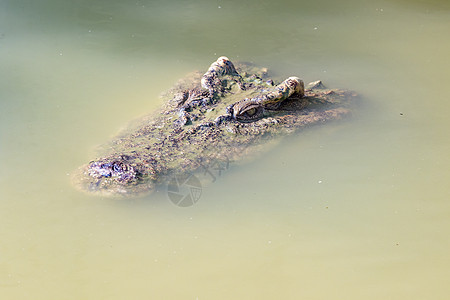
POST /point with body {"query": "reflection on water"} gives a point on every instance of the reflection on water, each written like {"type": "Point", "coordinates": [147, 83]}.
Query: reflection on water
{"type": "Point", "coordinates": [349, 211]}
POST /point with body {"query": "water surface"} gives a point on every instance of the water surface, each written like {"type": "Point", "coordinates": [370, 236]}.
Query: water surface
{"type": "Point", "coordinates": [355, 210]}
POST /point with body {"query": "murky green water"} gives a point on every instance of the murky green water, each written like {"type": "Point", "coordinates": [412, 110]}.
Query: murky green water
{"type": "Point", "coordinates": [358, 210]}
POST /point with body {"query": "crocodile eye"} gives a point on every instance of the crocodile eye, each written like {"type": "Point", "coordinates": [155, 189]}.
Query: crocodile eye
{"type": "Point", "coordinates": [247, 111]}
{"type": "Point", "coordinates": [251, 112]}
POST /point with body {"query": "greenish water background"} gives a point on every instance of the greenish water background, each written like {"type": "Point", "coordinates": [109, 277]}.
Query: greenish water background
{"type": "Point", "coordinates": [349, 211]}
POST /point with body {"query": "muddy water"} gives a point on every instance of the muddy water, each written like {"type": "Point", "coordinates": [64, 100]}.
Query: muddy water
{"type": "Point", "coordinates": [355, 210]}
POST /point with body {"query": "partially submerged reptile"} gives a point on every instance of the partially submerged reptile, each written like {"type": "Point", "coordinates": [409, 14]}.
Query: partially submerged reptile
{"type": "Point", "coordinates": [223, 114]}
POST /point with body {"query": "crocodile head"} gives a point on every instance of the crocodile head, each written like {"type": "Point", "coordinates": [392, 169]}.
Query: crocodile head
{"type": "Point", "coordinates": [224, 113]}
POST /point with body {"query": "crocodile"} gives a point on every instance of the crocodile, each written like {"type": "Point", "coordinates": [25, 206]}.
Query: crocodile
{"type": "Point", "coordinates": [226, 113]}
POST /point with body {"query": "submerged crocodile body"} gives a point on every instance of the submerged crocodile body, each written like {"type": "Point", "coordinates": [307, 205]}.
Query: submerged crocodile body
{"type": "Point", "coordinates": [224, 113]}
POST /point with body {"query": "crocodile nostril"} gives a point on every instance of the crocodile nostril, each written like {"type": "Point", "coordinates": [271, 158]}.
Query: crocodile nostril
{"type": "Point", "coordinates": [119, 167]}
